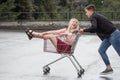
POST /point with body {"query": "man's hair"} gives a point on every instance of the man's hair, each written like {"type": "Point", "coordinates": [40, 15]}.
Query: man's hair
{"type": "Point", "coordinates": [90, 7]}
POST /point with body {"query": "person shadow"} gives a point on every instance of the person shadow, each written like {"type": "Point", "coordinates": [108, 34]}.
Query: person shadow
{"type": "Point", "coordinates": [106, 78]}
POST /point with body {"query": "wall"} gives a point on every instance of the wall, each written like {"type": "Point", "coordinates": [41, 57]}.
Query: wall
{"type": "Point", "coordinates": [43, 25]}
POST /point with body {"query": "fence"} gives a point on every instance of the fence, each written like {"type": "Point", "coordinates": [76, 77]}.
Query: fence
{"type": "Point", "coordinates": [54, 16]}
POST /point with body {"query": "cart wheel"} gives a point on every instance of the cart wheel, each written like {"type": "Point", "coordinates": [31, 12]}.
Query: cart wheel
{"type": "Point", "coordinates": [46, 70]}
{"type": "Point", "coordinates": [79, 74]}
{"type": "Point", "coordinates": [82, 71]}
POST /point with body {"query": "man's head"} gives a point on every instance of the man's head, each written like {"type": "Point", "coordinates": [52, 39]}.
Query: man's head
{"type": "Point", "coordinates": [89, 10]}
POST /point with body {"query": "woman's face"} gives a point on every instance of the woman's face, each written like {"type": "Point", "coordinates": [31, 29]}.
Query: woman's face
{"type": "Point", "coordinates": [74, 24]}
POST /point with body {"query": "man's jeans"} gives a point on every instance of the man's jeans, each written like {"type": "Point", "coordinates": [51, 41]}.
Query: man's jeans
{"type": "Point", "coordinates": [113, 40]}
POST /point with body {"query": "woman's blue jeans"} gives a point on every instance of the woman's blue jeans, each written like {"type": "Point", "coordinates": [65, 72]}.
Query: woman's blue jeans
{"type": "Point", "coordinates": [113, 40]}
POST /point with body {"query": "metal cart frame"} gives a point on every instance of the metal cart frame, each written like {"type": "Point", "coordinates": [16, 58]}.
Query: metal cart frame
{"type": "Point", "coordinates": [70, 56]}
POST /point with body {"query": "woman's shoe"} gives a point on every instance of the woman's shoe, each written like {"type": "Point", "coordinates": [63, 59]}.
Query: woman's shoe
{"type": "Point", "coordinates": [29, 33]}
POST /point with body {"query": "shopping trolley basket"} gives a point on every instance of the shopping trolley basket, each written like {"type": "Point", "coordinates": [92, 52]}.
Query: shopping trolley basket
{"type": "Point", "coordinates": [48, 47]}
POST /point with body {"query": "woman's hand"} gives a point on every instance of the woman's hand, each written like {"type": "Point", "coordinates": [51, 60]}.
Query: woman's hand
{"type": "Point", "coordinates": [81, 30]}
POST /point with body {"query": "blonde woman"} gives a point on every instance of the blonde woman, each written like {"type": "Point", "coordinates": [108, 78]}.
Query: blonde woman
{"type": "Point", "coordinates": [53, 36]}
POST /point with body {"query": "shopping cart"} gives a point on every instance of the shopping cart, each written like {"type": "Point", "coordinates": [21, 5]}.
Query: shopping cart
{"type": "Point", "coordinates": [48, 47]}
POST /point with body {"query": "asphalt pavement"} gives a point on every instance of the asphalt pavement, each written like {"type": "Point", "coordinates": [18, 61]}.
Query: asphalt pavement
{"type": "Point", "coordinates": [23, 59]}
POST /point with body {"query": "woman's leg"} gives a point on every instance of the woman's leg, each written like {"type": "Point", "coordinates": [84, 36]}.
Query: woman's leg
{"type": "Point", "coordinates": [40, 35]}
{"type": "Point", "coordinates": [36, 34]}
{"type": "Point", "coordinates": [32, 34]}
{"type": "Point", "coordinates": [52, 38]}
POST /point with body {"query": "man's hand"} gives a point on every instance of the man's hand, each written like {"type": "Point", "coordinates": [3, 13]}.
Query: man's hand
{"type": "Point", "coordinates": [81, 30]}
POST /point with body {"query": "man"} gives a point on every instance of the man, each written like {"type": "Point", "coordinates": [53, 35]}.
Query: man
{"type": "Point", "coordinates": [106, 32]}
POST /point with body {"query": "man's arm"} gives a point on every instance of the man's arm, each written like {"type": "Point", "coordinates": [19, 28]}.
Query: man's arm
{"type": "Point", "coordinates": [93, 27]}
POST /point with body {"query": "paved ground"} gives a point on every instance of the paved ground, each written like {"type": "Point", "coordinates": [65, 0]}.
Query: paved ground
{"type": "Point", "coordinates": [21, 59]}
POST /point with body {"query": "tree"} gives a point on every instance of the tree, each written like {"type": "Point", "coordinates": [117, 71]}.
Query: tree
{"type": "Point", "coordinates": [46, 9]}
{"type": "Point", "coordinates": [45, 6]}
{"type": "Point", "coordinates": [62, 3]}
{"type": "Point", "coordinates": [98, 3]}
{"type": "Point", "coordinates": [25, 7]}
{"type": "Point", "coordinates": [29, 8]}
{"type": "Point", "coordinates": [6, 6]}
{"type": "Point", "coordinates": [113, 6]}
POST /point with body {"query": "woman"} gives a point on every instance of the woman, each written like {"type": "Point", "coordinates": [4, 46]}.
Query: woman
{"type": "Point", "coordinates": [60, 45]}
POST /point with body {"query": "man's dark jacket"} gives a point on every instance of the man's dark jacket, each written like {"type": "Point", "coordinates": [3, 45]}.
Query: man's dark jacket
{"type": "Point", "coordinates": [101, 26]}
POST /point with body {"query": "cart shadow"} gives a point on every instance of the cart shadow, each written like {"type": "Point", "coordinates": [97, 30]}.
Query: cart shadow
{"type": "Point", "coordinates": [54, 78]}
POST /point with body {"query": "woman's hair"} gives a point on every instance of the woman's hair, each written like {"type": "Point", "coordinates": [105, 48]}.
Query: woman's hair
{"type": "Point", "coordinates": [90, 7]}
{"type": "Point", "coordinates": [70, 24]}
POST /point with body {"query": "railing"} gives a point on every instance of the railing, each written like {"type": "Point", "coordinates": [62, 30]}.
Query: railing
{"type": "Point", "coordinates": [54, 16]}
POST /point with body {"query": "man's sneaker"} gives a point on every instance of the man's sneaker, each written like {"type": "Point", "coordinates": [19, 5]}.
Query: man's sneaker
{"type": "Point", "coordinates": [107, 71]}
